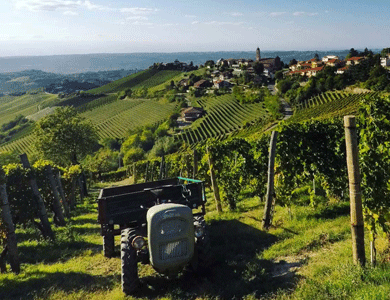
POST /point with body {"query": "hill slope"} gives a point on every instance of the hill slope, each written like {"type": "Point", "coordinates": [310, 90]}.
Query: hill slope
{"type": "Point", "coordinates": [147, 78]}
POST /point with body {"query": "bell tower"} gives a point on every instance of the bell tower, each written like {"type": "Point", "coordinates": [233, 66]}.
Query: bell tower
{"type": "Point", "coordinates": [258, 54]}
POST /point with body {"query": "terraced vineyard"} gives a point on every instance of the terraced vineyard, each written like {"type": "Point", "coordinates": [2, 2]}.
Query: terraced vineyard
{"type": "Point", "coordinates": [148, 78]}
{"type": "Point", "coordinates": [225, 115]}
{"type": "Point", "coordinates": [328, 105]}
{"type": "Point", "coordinates": [21, 145]}
{"type": "Point", "coordinates": [117, 118]}
{"type": "Point", "coordinates": [11, 106]}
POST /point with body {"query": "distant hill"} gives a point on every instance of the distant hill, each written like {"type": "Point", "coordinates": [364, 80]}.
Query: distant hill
{"type": "Point", "coordinates": [68, 64]}
{"type": "Point", "coordinates": [36, 80]}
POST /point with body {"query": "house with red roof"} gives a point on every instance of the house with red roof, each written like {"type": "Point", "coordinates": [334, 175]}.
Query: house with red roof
{"type": "Point", "coordinates": [354, 60]}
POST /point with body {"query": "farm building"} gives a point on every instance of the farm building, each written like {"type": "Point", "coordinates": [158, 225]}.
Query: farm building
{"type": "Point", "coordinates": [193, 113]}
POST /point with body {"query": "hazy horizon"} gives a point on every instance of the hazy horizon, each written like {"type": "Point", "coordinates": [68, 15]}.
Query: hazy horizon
{"type": "Point", "coordinates": [76, 27]}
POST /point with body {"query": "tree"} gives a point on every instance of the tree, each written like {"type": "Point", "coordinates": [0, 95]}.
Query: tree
{"type": "Point", "coordinates": [209, 63]}
{"type": "Point", "coordinates": [292, 62]}
{"type": "Point", "coordinates": [279, 75]}
{"type": "Point", "coordinates": [65, 137]}
{"type": "Point", "coordinates": [258, 67]}
{"type": "Point", "coordinates": [316, 56]}
{"type": "Point", "coordinates": [385, 52]}
{"type": "Point", "coordinates": [352, 53]}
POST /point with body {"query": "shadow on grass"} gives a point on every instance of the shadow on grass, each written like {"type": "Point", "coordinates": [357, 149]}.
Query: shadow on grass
{"type": "Point", "coordinates": [41, 284]}
{"type": "Point", "coordinates": [237, 271]}
{"type": "Point", "coordinates": [334, 211]}
{"type": "Point", "coordinates": [48, 252]}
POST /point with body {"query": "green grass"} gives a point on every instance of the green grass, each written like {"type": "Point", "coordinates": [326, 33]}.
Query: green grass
{"type": "Point", "coordinates": [305, 255]}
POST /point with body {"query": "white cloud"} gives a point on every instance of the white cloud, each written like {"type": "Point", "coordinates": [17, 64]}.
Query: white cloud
{"type": "Point", "coordinates": [302, 13]}
{"type": "Point", "coordinates": [277, 14]}
{"type": "Point", "coordinates": [195, 22]}
{"type": "Point", "coordinates": [53, 5]}
{"type": "Point", "coordinates": [190, 16]}
{"type": "Point", "coordinates": [89, 5]}
{"type": "Point", "coordinates": [218, 23]}
{"type": "Point", "coordinates": [137, 18]}
{"type": "Point", "coordinates": [47, 5]}
{"type": "Point", "coordinates": [138, 10]}
{"type": "Point", "coordinates": [170, 24]}
{"type": "Point", "coordinates": [70, 13]}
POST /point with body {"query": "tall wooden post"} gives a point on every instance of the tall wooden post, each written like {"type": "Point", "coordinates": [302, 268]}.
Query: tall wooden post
{"type": "Point", "coordinates": [134, 174]}
{"type": "Point", "coordinates": [64, 201]}
{"type": "Point", "coordinates": [162, 166]}
{"type": "Point", "coordinates": [11, 236]}
{"type": "Point", "coordinates": [357, 222]}
{"type": "Point", "coordinates": [214, 184]}
{"type": "Point", "coordinates": [57, 209]}
{"type": "Point", "coordinates": [195, 164]}
{"type": "Point", "coordinates": [47, 231]}
{"type": "Point", "coordinates": [270, 186]}
{"type": "Point", "coordinates": [146, 171]}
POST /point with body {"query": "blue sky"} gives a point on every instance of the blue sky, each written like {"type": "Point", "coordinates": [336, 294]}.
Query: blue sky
{"type": "Point", "coordinates": [46, 27]}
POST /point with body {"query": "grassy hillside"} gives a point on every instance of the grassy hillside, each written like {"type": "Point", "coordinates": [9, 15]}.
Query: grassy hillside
{"type": "Point", "coordinates": [224, 116]}
{"type": "Point", "coordinates": [305, 255]}
{"type": "Point", "coordinates": [147, 78]}
{"type": "Point", "coordinates": [11, 106]}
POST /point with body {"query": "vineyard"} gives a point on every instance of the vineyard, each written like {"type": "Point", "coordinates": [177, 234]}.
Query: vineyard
{"type": "Point", "coordinates": [117, 118]}
{"type": "Point", "coordinates": [21, 145]}
{"type": "Point", "coordinates": [147, 78]}
{"type": "Point", "coordinates": [225, 115]}
{"type": "Point", "coordinates": [328, 105]}
{"type": "Point", "coordinates": [11, 106]}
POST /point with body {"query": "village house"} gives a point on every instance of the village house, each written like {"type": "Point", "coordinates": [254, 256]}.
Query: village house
{"type": "Point", "coordinates": [329, 57]}
{"type": "Point", "coordinates": [354, 60]}
{"type": "Point", "coordinates": [342, 70]}
{"type": "Point", "coordinates": [385, 61]}
{"type": "Point", "coordinates": [193, 113]}
{"type": "Point", "coordinates": [222, 84]}
{"type": "Point", "coordinates": [202, 84]}
{"type": "Point", "coordinates": [332, 62]}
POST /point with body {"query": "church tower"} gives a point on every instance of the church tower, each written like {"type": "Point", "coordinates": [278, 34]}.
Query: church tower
{"type": "Point", "coordinates": [258, 54]}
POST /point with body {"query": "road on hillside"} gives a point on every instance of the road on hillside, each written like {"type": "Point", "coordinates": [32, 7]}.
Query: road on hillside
{"type": "Point", "coordinates": [287, 110]}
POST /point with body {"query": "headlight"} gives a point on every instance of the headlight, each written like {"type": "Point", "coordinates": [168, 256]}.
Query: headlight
{"type": "Point", "coordinates": [138, 242]}
{"type": "Point", "coordinates": [199, 231]}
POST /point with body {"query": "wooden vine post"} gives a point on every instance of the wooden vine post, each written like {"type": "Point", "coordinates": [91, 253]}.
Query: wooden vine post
{"type": "Point", "coordinates": [134, 173]}
{"type": "Point", "coordinates": [12, 246]}
{"type": "Point", "coordinates": [214, 184]}
{"type": "Point", "coordinates": [146, 171]}
{"type": "Point", "coordinates": [162, 166]}
{"type": "Point", "coordinates": [357, 222]}
{"type": "Point", "coordinates": [57, 176]}
{"type": "Point", "coordinates": [195, 173]}
{"type": "Point", "coordinates": [42, 213]}
{"type": "Point", "coordinates": [57, 209]}
{"type": "Point", "coordinates": [267, 218]}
